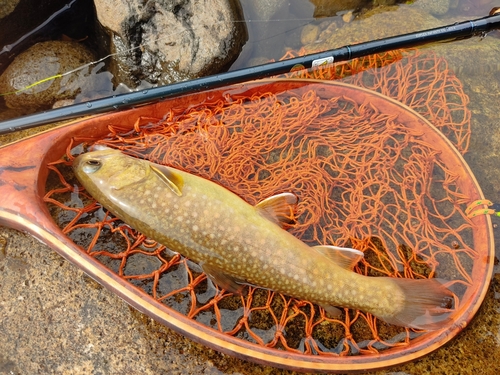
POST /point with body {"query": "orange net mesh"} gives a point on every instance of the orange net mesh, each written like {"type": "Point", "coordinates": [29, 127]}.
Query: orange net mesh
{"type": "Point", "coordinates": [364, 180]}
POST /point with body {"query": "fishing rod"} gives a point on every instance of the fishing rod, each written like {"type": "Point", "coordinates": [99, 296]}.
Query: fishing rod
{"type": "Point", "coordinates": [460, 30]}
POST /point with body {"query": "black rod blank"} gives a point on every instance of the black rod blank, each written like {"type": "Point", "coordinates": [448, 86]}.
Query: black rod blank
{"type": "Point", "coordinates": [455, 31]}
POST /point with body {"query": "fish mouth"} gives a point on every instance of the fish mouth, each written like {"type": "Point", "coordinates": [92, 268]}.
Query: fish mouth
{"type": "Point", "coordinates": [77, 163]}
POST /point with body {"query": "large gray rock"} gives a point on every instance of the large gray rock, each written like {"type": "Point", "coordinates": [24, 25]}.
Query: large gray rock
{"type": "Point", "coordinates": [167, 41]}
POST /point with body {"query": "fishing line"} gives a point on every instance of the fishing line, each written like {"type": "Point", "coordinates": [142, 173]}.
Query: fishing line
{"type": "Point", "coordinates": [8, 47]}
{"type": "Point", "coordinates": [134, 48]}
{"type": "Point", "coordinates": [455, 31]}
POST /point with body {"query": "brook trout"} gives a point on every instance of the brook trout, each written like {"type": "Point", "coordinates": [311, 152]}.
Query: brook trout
{"type": "Point", "coordinates": [237, 244]}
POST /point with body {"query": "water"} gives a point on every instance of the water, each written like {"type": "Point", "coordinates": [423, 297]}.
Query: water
{"type": "Point", "coordinates": [481, 82]}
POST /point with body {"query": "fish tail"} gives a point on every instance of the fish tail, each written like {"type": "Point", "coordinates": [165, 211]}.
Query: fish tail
{"type": "Point", "coordinates": [427, 304]}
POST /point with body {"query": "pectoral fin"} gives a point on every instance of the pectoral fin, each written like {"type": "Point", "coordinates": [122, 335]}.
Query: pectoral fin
{"type": "Point", "coordinates": [173, 180]}
{"type": "Point", "coordinates": [280, 208]}
{"type": "Point", "coordinates": [345, 257]}
{"type": "Point", "coordinates": [222, 280]}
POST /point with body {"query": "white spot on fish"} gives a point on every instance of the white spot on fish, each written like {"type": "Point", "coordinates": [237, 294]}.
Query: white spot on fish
{"type": "Point", "coordinates": [195, 228]}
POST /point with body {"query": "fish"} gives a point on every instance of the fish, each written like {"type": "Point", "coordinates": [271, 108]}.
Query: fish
{"type": "Point", "coordinates": [238, 244]}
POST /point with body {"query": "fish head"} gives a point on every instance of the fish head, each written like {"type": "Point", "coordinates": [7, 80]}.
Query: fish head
{"type": "Point", "coordinates": [108, 169]}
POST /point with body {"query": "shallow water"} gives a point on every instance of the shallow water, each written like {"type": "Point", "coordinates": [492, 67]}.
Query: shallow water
{"type": "Point", "coordinates": [472, 348]}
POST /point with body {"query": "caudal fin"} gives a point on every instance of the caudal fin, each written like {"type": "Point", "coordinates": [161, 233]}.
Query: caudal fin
{"type": "Point", "coordinates": [427, 304]}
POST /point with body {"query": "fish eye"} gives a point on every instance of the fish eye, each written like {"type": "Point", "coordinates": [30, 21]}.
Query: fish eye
{"type": "Point", "coordinates": [92, 166]}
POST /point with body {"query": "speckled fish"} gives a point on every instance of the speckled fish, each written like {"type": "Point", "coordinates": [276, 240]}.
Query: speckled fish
{"type": "Point", "coordinates": [236, 243]}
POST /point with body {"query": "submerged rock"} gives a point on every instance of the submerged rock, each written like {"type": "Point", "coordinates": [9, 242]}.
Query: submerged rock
{"type": "Point", "coordinates": [435, 7]}
{"type": "Point", "coordinates": [36, 64]}
{"type": "Point", "coordinates": [163, 42]}
{"type": "Point", "coordinates": [377, 23]}
{"type": "Point", "coordinates": [328, 8]}
{"type": "Point", "coordinates": [7, 7]}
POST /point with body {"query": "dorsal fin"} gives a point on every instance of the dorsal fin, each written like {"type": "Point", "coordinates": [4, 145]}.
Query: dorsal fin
{"type": "Point", "coordinates": [173, 180]}
{"type": "Point", "coordinates": [279, 208]}
{"type": "Point", "coordinates": [345, 257]}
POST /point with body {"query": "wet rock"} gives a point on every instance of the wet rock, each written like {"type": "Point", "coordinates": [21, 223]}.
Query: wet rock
{"type": "Point", "coordinates": [328, 8]}
{"type": "Point", "coordinates": [348, 17]}
{"type": "Point", "coordinates": [164, 42]}
{"type": "Point", "coordinates": [309, 34]}
{"type": "Point", "coordinates": [435, 7]}
{"type": "Point", "coordinates": [375, 24]}
{"type": "Point", "coordinates": [7, 6]}
{"type": "Point", "coordinates": [385, 2]}
{"type": "Point", "coordinates": [38, 63]}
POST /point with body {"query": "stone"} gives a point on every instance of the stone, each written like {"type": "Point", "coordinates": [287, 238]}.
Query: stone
{"type": "Point", "coordinates": [309, 34]}
{"type": "Point", "coordinates": [328, 8]}
{"type": "Point", "coordinates": [168, 41]}
{"type": "Point", "coordinates": [434, 7]}
{"type": "Point", "coordinates": [375, 24]}
{"type": "Point", "coordinates": [7, 6]}
{"type": "Point", "coordinates": [36, 64]}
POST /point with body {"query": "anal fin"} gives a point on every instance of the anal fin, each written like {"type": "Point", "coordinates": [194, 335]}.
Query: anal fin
{"type": "Point", "coordinates": [333, 312]}
{"type": "Point", "coordinates": [222, 280]}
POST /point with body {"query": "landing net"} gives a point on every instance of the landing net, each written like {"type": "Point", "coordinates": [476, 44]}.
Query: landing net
{"type": "Point", "coordinates": [364, 180]}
